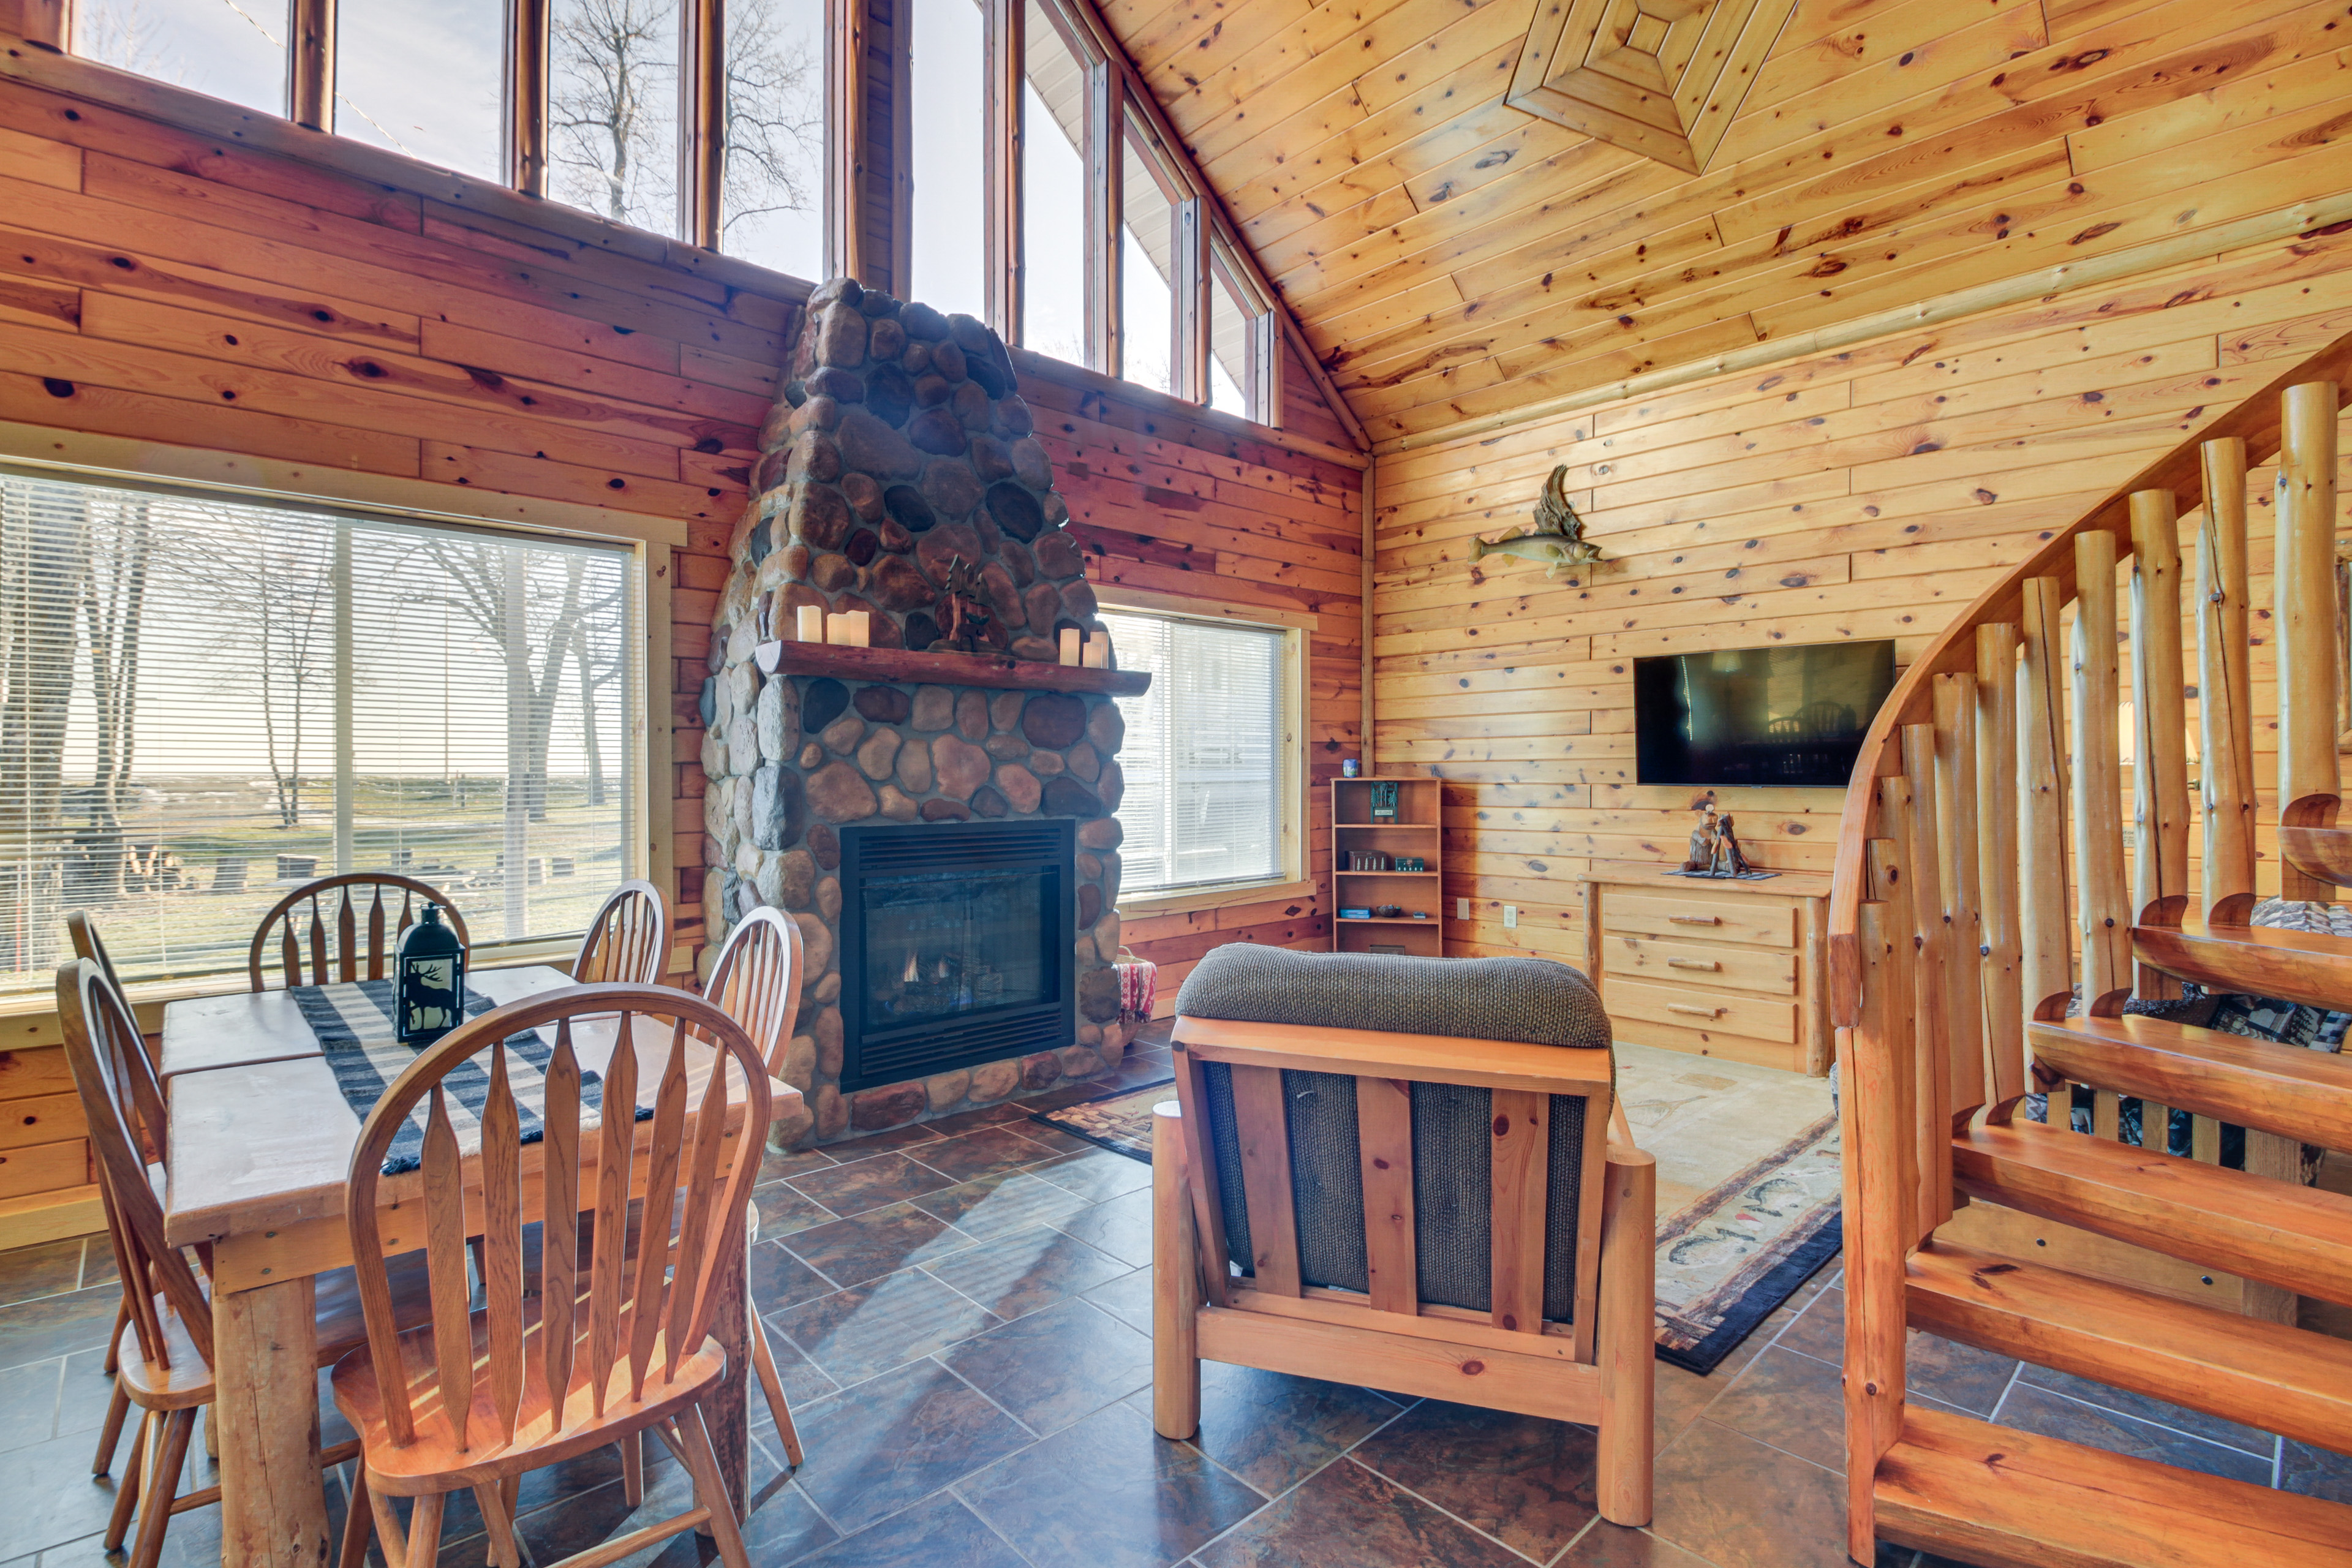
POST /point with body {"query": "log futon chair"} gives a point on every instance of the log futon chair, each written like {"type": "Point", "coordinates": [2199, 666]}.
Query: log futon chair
{"type": "Point", "coordinates": [1411, 1173]}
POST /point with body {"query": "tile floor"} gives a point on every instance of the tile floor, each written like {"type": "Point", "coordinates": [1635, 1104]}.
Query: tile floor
{"type": "Point", "coordinates": [962, 1311]}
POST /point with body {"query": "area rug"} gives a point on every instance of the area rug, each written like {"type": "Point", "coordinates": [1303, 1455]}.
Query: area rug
{"type": "Point", "coordinates": [1725, 1261]}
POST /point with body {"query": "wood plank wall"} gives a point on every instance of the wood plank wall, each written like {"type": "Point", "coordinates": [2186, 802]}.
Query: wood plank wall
{"type": "Point", "coordinates": [1167, 498]}
{"type": "Point", "coordinates": [1870, 493]}
{"type": "Point", "coordinates": [176, 270]}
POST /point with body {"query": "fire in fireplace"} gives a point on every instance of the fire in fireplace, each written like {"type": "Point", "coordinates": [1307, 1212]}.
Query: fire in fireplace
{"type": "Point", "coordinates": [956, 945]}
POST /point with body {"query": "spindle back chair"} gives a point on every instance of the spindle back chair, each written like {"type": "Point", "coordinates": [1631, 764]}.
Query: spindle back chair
{"type": "Point", "coordinates": [169, 1371]}
{"type": "Point", "coordinates": [624, 942]}
{"type": "Point", "coordinates": [82, 927]}
{"type": "Point", "coordinates": [591, 1351]}
{"type": "Point", "coordinates": [304, 955]}
{"type": "Point", "coordinates": [757, 981]}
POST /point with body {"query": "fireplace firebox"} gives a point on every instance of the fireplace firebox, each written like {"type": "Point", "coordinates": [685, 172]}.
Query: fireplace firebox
{"type": "Point", "coordinates": [956, 945]}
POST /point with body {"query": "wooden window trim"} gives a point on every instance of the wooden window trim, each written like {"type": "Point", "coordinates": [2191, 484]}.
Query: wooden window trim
{"type": "Point", "coordinates": [1003, 104]}
{"type": "Point", "coordinates": [1189, 312]}
{"type": "Point", "coordinates": [311, 65]}
{"type": "Point", "coordinates": [1105, 203]}
{"type": "Point", "coordinates": [702, 120]}
{"type": "Point", "coordinates": [524, 113]}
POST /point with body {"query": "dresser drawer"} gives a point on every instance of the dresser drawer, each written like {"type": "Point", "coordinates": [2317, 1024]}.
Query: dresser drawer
{"type": "Point", "coordinates": [1753, 1017]}
{"type": "Point", "coordinates": [1746, 919]}
{"type": "Point", "coordinates": [1697, 964]}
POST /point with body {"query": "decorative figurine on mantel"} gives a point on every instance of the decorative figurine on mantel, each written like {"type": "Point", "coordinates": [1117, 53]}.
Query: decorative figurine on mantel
{"type": "Point", "coordinates": [963, 619]}
{"type": "Point", "coordinates": [1730, 861]}
{"type": "Point", "coordinates": [1715, 850]}
{"type": "Point", "coordinates": [1558, 538]}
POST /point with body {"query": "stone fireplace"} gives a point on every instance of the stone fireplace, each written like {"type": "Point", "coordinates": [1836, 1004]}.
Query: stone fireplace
{"type": "Point", "coordinates": [936, 817]}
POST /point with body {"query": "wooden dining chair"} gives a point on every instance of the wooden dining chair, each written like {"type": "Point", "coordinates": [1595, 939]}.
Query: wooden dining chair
{"type": "Point", "coordinates": [165, 1355]}
{"type": "Point", "coordinates": [82, 926]}
{"type": "Point", "coordinates": [298, 925]}
{"type": "Point", "coordinates": [757, 982]}
{"type": "Point", "coordinates": [624, 942]}
{"type": "Point", "coordinates": [567, 1353]}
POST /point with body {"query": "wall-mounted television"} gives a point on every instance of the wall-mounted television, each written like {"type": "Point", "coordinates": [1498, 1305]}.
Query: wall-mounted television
{"type": "Point", "coordinates": [1757, 716]}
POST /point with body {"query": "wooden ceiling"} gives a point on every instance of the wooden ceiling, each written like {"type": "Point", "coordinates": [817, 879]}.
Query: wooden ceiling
{"type": "Point", "coordinates": [1452, 257]}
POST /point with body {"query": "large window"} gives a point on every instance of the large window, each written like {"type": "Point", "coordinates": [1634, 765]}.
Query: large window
{"type": "Point", "coordinates": [949, 187]}
{"type": "Point", "coordinates": [205, 702]}
{"type": "Point", "coordinates": [1053, 192]}
{"type": "Point", "coordinates": [613, 109]}
{"type": "Point", "coordinates": [236, 52]}
{"type": "Point", "coordinates": [422, 77]}
{"type": "Point", "coordinates": [1210, 755]}
{"type": "Point", "coordinates": [771, 200]}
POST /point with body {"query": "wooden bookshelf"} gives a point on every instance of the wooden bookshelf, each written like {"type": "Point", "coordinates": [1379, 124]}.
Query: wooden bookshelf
{"type": "Point", "coordinates": [1413, 834]}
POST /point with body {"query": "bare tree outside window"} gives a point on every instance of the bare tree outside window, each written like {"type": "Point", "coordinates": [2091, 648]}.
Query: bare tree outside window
{"type": "Point", "coordinates": [613, 115]}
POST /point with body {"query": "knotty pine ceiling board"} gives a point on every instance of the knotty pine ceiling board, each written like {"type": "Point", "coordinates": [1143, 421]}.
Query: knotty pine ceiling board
{"type": "Point", "coordinates": [1452, 257]}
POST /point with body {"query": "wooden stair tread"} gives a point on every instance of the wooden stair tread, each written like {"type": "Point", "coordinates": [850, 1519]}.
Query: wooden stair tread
{"type": "Point", "coordinates": [2298, 1237]}
{"type": "Point", "coordinates": [2265, 1375]}
{"type": "Point", "coordinates": [1994, 1495]}
{"type": "Point", "coordinates": [2296, 965]}
{"type": "Point", "coordinates": [2321, 852]}
{"type": "Point", "coordinates": [2286, 1090]}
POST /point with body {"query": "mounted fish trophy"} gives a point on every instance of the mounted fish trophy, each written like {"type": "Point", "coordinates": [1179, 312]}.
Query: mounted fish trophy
{"type": "Point", "coordinates": [1558, 538]}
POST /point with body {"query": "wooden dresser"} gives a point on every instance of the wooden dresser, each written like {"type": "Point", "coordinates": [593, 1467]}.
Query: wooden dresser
{"type": "Point", "coordinates": [1723, 969]}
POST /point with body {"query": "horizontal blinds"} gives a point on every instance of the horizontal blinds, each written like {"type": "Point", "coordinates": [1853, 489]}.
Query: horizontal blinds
{"type": "Point", "coordinates": [1202, 757]}
{"type": "Point", "coordinates": [205, 703]}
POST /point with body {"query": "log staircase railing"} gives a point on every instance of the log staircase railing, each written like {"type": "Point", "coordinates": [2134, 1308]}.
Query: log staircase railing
{"type": "Point", "coordinates": [1981, 887]}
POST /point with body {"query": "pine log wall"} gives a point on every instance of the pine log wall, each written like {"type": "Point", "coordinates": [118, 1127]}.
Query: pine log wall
{"type": "Point", "coordinates": [270, 304]}
{"type": "Point", "coordinates": [1867, 493]}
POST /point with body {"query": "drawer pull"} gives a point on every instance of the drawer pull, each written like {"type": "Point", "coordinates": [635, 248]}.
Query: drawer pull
{"type": "Point", "coordinates": [1709, 965]}
{"type": "Point", "coordinates": [1695, 1012]}
{"type": "Point", "coordinates": [1695, 920]}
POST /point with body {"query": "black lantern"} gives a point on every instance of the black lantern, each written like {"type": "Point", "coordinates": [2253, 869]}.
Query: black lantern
{"type": "Point", "coordinates": [429, 981]}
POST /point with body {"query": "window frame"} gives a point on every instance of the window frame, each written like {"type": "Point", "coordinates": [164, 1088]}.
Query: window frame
{"type": "Point", "coordinates": [649, 734]}
{"type": "Point", "coordinates": [1293, 878]}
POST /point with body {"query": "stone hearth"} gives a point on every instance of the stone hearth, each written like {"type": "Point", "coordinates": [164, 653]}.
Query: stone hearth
{"type": "Point", "coordinates": [899, 447]}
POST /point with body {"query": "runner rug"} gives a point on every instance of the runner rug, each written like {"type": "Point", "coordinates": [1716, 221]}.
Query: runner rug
{"type": "Point", "coordinates": [1726, 1262]}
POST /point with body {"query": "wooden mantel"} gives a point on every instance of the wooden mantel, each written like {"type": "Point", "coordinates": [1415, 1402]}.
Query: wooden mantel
{"type": "Point", "coordinates": [944, 668]}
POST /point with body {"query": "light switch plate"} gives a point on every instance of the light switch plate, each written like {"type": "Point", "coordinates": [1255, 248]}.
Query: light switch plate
{"type": "Point", "coordinates": [1461, 909]}
{"type": "Point", "coordinates": [1511, 916]}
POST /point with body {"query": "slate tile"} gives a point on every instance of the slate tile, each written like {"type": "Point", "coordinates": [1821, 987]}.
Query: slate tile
{"type": "Point", "coordinates": [984, 1152]}
{"type": "Point", "coordinates": [853, 1334]}
{"type": "Point", "coordinates": [48, 1497]}
{"type": "Point", "coordinates": [939, 1529]}
{"type": "Point", "coordinates": [853, 1189]}
{"type": "Point", "coordinates": [1348, 1516]}
{"type": "Point", "coordinates": [1524, 1481]}
{"type": "Point", "coordinates": [779, 1279]}
{"type": "Point", "coordinates": [1607, 1546]}
{"type": "Point", "coordinates": [1121, 1227]}
{"type": "Point", "coordinates": [1731, 1499]}
{"type": "Point", "coordinates": [1791, 1401]}
{"type": "Point", "coordinates": [29, 1403]}
{"type": "Point", "coordinates": [877, 1242]}
{"type": "Point", "coordinates": [45, 1269]}
{"type": "Point", "coordinates": [1029, 1269]}
{"type": "Point", "coordinates": [782, 1209]}
{"type": "Point", "coordinates": [777, 1164]}
{"type": "Point", "coordinates": [1960, 1375]}
{"type": "Point", "coordinates": [801, 1378]}
{"type": "Point", "coordinates": [2196, 1422]}
{"type": "Point", "coordinates": [1108, 1493]}
{"type": "Point", "coordinates": [50, 1326]}
{"type": "Point", "coordinates": [1274, 1430]}
{"type": "Point", "coordinates": [2031, 1409]}
{"type": "Point", "coordinates": [1127, 1298]}
{"type": "Point", "coordinates": [1001, 1203]}
{"type": "Point", "coordinates": [1098, 1175]}
{"type": "Point", "coordinates": [1009, 1110]}
{"type": "Point", "coordinates": [2316, 1473]}
{"type": "Point", "coordinates": [1055, 1366]}
{"type": "Point", "coordinates": [883, 1142]}
{"type": "Point", "coordinates": [898, 1439]}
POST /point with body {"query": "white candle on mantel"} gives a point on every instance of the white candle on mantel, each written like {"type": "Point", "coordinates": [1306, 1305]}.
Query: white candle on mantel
{"type": "Point", "coordinates": [861, 628]}
{"type": "Point", "coordinates": [1071, 640]}
{"type": "Point", "coordinates": [837, 629]}
{"type": "Point", "coordinates": [1098, 651]}
{"type": "Point", "coordinates": [812, 623]}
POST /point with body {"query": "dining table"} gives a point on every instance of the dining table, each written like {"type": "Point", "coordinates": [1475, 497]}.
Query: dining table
{"type": "Point", "coordinates": [259, 1148]}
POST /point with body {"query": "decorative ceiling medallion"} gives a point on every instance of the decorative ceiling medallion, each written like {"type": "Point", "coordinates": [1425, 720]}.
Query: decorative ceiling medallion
{"type": "Point", "coordinates": [1660, 78]}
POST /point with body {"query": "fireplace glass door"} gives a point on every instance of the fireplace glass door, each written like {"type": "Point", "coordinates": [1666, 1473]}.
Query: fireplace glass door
{"type": "Point", "coordinates": [956, 945]}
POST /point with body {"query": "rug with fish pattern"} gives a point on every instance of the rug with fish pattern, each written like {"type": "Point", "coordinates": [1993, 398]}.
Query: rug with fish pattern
{"type": "Point", "coordinates": [1728, 1261]}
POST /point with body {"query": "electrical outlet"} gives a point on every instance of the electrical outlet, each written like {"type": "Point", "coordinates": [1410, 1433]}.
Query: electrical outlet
{"type": "Point", "coordinates": [1461, 909]}
{"type": "Point", "coordinates": [1511, 916]}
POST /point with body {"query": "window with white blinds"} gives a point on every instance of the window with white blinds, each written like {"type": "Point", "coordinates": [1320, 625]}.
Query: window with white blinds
{"type": "Point", "coordinates": [1207, 756]}
{"type": "Point", "coordinates": [205, 702]}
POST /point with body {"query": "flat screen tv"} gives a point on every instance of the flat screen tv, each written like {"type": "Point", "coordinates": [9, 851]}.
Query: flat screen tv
{"type": "Point", "coordinates": [1757, 716]}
